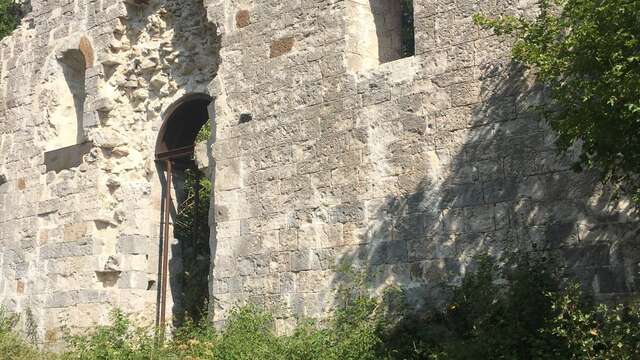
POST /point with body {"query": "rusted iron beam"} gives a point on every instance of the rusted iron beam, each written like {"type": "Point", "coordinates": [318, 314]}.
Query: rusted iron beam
{"type": "Point", "coordinates": [176, 153]}
{"type": "Point", "coordinates": [196, 216]}
{"type": "Point", "coordinates": [165, 248]}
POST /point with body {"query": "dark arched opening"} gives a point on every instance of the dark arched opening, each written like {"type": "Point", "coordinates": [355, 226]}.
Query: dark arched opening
{"type": "Point", "coordinates": [186, 272]}
{"type": "Point", "coordinates": [182, 122]}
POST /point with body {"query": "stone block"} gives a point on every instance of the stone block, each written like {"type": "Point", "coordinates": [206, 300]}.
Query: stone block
{"type": "Point", "coordinates": [305, 260]}
{"type": "Point", "coordinates": [288, 239]}
{"type": "Point", "coordinates": [281, 46]}
{"type": "Point", "coordinates": [346, 213]}
{"type": "Point", "coordinates": [389, 252]}
{"type": "Point", "coordinates": [133, 280]}
{"type": "Point", "coordinates": [133, 244]}
{"type": "Point", "coordinates": [243, 19]}
{"type": "Point", "coordinates": [75, 232]}
{"type": "Point", "coordinates": [67, 249]}
{"type": "Point", "coordinates": [479, 218]}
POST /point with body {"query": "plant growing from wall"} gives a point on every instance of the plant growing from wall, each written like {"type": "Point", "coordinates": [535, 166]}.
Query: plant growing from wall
{"type": "Point", "coordinates": [10, 15]}
{"type": "Point", "coordinates": [192, 230]}
{"type": "Point", "coordinates": [587, 52]}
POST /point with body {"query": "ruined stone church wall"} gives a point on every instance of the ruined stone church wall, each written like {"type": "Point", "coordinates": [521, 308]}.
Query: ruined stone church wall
{"type": "Point", "coordinates": [80, 225]}
{"type": "Point", "coordinates": [404, 170]}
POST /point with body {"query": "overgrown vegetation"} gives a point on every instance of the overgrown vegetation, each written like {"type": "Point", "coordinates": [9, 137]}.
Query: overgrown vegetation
{"type": "Point", "coordinates": [516, 310]}
{"type": "Point", "coordinates": [10, 15]}
{"type": "Point", "coordinates": [588, 54]}
{"type": "Point", "coordinates": [192, 230]}
{"type": "Point", "coordinates": [12, 345]}
{"type": "Point", "coordinates": [408, 41]}
{"type": "Point", "coordinates": [205, 132]}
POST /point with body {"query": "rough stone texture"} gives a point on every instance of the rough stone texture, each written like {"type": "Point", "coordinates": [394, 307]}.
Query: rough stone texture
{"type": "Point", "coordinates": [243, 18]}
{"type": "Point", "coordinates": [406, 169]}
{"type": "Point", "coordinates": [60, 230]}
{"type": "Point", "coordinates": [282, 46]}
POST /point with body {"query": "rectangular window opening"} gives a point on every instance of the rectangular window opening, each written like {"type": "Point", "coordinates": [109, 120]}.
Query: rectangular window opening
{"type": "Point", "coordinates": [379, 31]}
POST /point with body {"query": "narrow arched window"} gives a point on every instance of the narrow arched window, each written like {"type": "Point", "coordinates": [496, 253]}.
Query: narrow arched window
{"type": "Point", "coordinates": [66, 109]}
{"type": "Point", "coordinates": [62, 101]}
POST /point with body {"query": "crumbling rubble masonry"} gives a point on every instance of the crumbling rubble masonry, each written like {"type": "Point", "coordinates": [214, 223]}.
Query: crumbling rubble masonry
{"type": "Point", "coordinates": [323, 151]}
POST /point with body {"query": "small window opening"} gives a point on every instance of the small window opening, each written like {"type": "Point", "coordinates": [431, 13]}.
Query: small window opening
{"type": "Point", "coordinates": [379, 31]}
{"type": "Point", "coordinates": [245, 118]}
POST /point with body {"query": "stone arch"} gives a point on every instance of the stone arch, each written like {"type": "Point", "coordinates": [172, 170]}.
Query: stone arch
{"type": "Point", "coordinates": [175, 132]}
{"type": "Point", "coordinates": [184, 262]}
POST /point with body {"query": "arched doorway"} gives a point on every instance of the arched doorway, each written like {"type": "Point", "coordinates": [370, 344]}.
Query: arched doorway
{"type": "Point", "coordinates": [185, 254]}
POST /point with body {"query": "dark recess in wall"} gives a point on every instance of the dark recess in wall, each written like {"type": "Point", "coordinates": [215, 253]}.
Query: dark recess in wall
{"type": "Point", "coordinates": [245, 118]}
{"type": "Point", "coordinates": [66, 158]}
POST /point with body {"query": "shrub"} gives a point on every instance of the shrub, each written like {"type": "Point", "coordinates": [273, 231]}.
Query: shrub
{"type": "Point", "coordinates": [10, 14]}
{"type": "Point", "coordinates": [499, 312]}
{"type": "Point", "coordinates": [595, 332]}
{"type": "Point", "coordinates": [13, 346]}
{"type": "Point", "coordinates": [513, 310]}
{"type": "Point", "coordinates": [587, 52]}
{"type": "Point", "coordinates": [519, 310]}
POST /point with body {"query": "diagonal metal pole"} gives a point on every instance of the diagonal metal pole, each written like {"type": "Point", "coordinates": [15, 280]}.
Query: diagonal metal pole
{"type": "Point", "coordinates": [165, 249]}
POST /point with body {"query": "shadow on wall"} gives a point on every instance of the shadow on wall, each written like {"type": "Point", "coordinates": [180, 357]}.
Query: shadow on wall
{"type": "Point", "coordinates": [73, 66]}
{"type": "Point", "coordinates": [504, 187]}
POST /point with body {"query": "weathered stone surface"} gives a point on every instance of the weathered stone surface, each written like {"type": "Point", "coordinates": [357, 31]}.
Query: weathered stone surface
{"type": "Point", "coordinates": [133, 244]}
{"type": "Point", "coordinates": [243, 18]}
{"type": "Point", "coordinates": [281, 46]}
{"type": "Point", "coordinates": [328, 148]}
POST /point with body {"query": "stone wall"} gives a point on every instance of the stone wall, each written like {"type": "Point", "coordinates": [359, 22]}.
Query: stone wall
{"type": "Point", "coordinates": [405, 169]}
{"type": "Point", "coordinates": [80, 225]}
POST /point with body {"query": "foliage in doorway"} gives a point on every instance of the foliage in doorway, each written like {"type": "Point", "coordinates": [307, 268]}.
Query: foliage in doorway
{"type": "Point", "coordinates": [192, 231]}
{"type": "Point", "coordinates": [408, 41]}
{"type": "Point", "coordinates": [205, 132]}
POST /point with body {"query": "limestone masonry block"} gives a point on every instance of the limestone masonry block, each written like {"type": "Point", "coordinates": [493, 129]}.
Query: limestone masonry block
{"type": "Point", "coordinates": [281, 46]}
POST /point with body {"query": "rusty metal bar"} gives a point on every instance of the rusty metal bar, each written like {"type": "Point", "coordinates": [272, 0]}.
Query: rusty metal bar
{"type": "Point", "coordinates": [176, 153]}
{"type": "Point", "coordinates": [165, 248]}
{"type": "Point", "coordinates": [196, 216]}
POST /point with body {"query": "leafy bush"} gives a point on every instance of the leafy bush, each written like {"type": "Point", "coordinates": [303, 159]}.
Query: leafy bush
{"type": "Point", "coordinates": [595, 332]}
{"type": "Point", "coordinates": [119, 340]}
{"type": "Point", "coordinates": [588, 54]}
{"type": "Point", "coordinates": [515, 310]}
{"type": "Point", "coordinates": [499, 312]}
{"type": "Point", "coordinates": [10, 14]}
{"type": "Point", "coordinates": [12, 346]}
